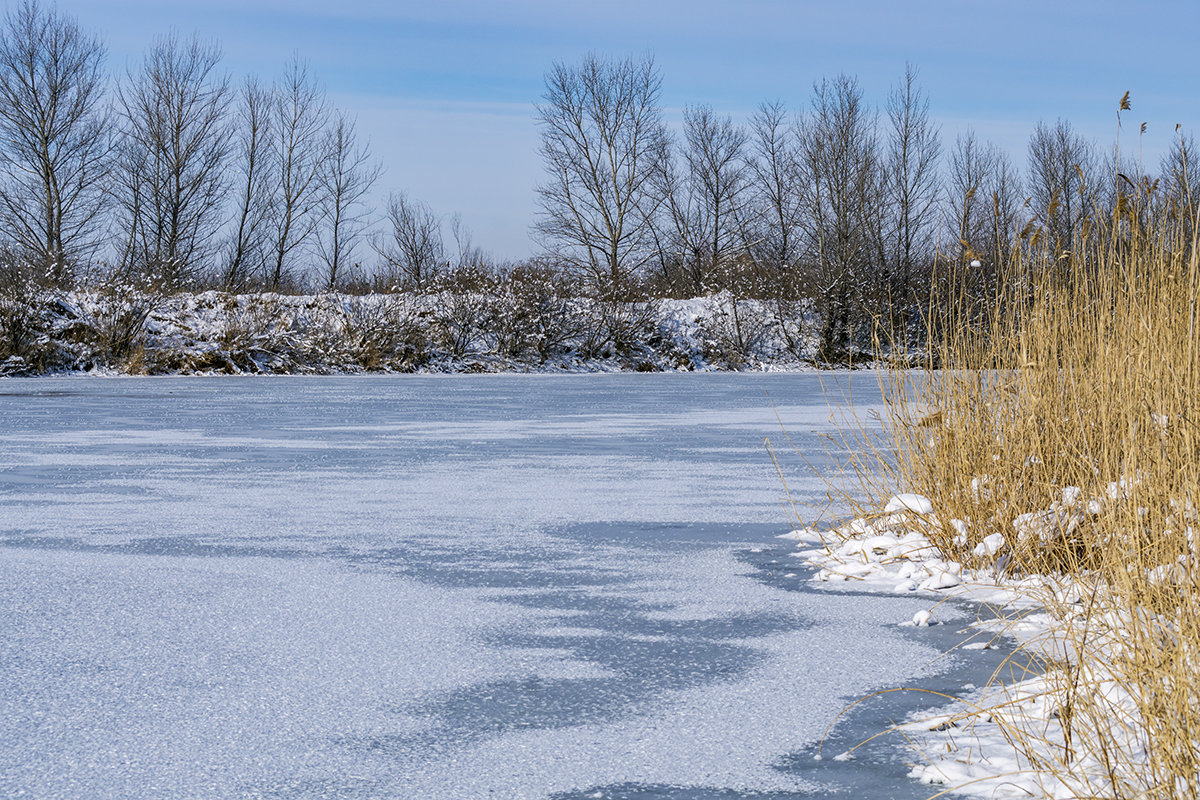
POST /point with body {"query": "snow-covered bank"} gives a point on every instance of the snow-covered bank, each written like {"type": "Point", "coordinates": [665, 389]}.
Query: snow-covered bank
{"type": "Point", "coordinates": [516, 331]}
{"type": "Point", "coordinates": [1024, 735]}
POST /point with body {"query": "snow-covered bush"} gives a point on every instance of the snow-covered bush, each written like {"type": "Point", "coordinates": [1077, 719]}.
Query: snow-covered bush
{"type": "Point", "coordinates": [735, 330]}
{"type": "Point", "coordinates": [522, 319]}
{"type": "Point", "coordinates": [531, 314]}
{"type": "Point", "coordinates": [20, 328]}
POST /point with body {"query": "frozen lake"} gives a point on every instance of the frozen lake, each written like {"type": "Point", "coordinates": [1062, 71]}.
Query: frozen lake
{"type": "Point", "coordinates": [428, 587]}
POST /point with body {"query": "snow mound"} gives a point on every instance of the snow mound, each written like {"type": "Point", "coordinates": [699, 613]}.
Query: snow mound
{"type": "Point", "coordinates": [970, 750]}
{"type": "Point", "coordinates": [916, 503]}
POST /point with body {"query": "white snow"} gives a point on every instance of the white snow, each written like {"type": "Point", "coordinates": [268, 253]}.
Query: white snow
{"type": "Point", "coordinates": [918, 504]}
{"type": "Point", "coordinates": [968, 749]}
{"type": "Point", "coordinates": [923, 619]}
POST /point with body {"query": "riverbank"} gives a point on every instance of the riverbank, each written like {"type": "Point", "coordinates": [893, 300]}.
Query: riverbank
{"type": "Point", "coordinates": [132, 332]}
{"type": "Point", "coordinates": [1059, 719]}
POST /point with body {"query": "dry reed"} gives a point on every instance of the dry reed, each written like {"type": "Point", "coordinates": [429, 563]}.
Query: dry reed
{"type": "Point", "coordinates": [1063, 413]}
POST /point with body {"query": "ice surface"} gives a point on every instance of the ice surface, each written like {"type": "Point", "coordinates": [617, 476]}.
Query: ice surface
{"type": "Point", "coordinates": [434, 587]}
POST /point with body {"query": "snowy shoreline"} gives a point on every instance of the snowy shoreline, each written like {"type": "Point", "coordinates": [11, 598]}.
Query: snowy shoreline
{"type": "Point", "coordinates": [969, 747]}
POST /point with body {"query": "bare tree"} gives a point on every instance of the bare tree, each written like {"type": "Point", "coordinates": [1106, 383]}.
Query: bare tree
{"type": "Point", "coordinates": [346, 176]}
{"type": "Point", "coordinates": [840, 180]}
{"type": "Point", "coordinates": [774, 175]}
{"type": "Point", "coordinates": [1006, 206]}
{"type": "Point", "coordinates": [173, 149]}
{"type": "Point", "coordinates": [467, 254]}
{"type": "Point", "coordinates": [983, 213]}
{"type": "Point", "coordinates": [247, 248]}
{"type": "Point", "coordinates": [972, 165]}
{"type": "Point", "coordinates": [298, 121]}
{"type": "Point", "coordinates": [1179, 190]}
{"type": "Point", "coordinates": [412, 250]}
{"type": "Point", "coordinates": [671, 216]}
{"type": "Point", "coordinates": [601, 133]}
{"type": "Point", "coordinates": [1061, 181]}
{"type": "Point", "coordinates": [53, 139]}
{"type": "Point", "coordinates": [1180, 172]}
{"type": "Point", "coordinates": [707, 203]}
{"type": "Point", "coordinates": [771, 226]}
{"type": "Point", "coordinates": [911, 185]}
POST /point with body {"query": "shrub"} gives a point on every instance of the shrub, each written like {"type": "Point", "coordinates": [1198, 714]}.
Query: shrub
{"type": "Point", "coordinates": [531, 314]}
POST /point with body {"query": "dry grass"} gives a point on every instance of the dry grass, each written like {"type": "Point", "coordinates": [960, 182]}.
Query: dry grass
{"type": "Point", "coordinates": [1064, 414]}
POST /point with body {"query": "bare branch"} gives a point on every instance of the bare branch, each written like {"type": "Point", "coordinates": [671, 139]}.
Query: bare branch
{"type": "Point", "coordinates": [601, 133]}
{"type": "Point", "coordinates": [173, 149]}
{"type": "Point", "coordinates": [299, 114]}
{"type": "Point", "coordinates": [346, 176]}
{"type": "Point", "coordinates": [54, 144]}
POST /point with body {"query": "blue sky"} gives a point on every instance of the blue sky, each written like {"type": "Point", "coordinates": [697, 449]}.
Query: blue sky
{"type": "Point", "coordinates": [445, 90]}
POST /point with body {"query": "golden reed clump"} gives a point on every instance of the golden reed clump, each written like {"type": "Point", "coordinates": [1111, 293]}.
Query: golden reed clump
{"type": "Point", "coordinates": [1062, 411]}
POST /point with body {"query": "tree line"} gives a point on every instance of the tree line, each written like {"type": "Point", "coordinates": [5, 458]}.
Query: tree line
{"type": "Point", "coordinates": [862, 213]}
{"type": "Point", "coordinates": [177, 174]}
{"type": "Point", "coordinates": [175, 177]}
